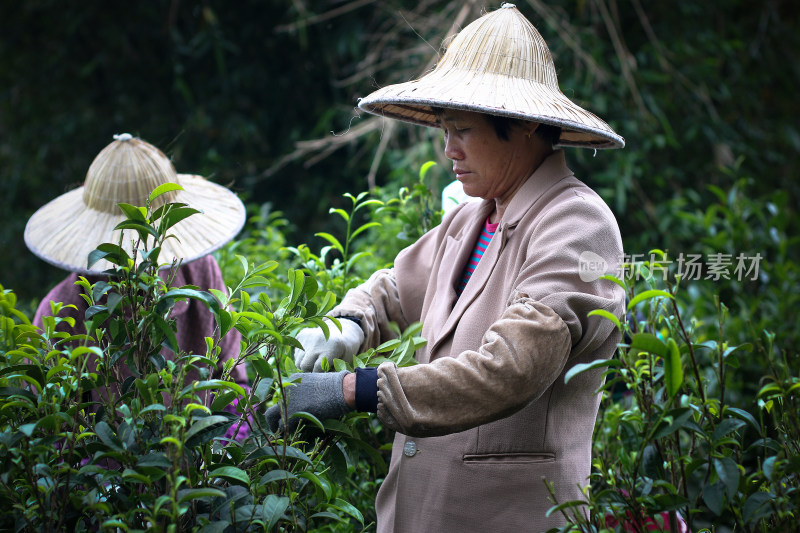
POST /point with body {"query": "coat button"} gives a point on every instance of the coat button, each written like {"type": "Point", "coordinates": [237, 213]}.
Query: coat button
{"type": "Point", "coordinates": [410, 449]}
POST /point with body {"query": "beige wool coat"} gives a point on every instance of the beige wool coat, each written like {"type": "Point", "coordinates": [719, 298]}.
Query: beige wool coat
{"type": "Point", "coordinates": [486, 418]}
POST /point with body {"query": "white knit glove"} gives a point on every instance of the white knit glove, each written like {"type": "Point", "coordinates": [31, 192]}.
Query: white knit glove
{"type": "Point", "coordinates": [339, 345]}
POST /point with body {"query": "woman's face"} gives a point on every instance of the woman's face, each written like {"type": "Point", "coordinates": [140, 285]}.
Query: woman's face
{"type": "Point", "coordinates": [487, 166]}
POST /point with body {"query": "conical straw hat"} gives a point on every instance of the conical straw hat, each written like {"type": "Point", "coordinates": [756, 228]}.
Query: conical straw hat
{"type": "Point", "coordinates": [499, 65]}
{"type": "Point", "coordinates": [64, 231]}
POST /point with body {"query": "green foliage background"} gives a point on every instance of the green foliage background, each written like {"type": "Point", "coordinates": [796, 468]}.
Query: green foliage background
{"type": "Point", "coordinates": [250, 93]}
{"type": "Point", "coordinates": [228, 89]}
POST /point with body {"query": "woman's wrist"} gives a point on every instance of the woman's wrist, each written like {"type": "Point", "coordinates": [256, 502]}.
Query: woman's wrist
{"type": "Point", "coordinates": [349, 390]}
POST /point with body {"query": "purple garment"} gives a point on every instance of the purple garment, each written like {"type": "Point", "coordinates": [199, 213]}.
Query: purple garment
{"type": "Point", "coordinates": [193, 319]}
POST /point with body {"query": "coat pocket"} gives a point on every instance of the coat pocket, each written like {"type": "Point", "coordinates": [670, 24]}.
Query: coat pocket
{"type": "Point", "coordinates": [508, 458]}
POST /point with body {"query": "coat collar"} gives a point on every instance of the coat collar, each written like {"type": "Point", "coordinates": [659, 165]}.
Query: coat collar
{"type": "Point", "coordinates": [553, 169]}
{"type": "Point", "coordinates": [550, 171]}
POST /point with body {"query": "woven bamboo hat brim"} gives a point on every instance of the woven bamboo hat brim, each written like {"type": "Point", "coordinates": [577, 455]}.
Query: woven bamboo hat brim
{"type": "Point", "coordinates": [64, 231]}
{"type": "Point", "coordinates": [499, 65]}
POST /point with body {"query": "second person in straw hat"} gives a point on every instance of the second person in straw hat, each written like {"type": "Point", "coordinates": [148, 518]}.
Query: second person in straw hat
{"type": "Point", "coordinates": [64, 232]}
{"type": "Point", "coordinates": [486, 418]}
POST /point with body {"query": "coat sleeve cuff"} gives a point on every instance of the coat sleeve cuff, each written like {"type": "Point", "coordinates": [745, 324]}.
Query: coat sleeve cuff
{"type": "Point", "coordinates": [367, 390]}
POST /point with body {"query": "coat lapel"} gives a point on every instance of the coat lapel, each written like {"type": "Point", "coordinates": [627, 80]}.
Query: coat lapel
{"type": "Point", "coordinates": [456, 253]}
{"type": "Point", "coordinates": [551, 170]}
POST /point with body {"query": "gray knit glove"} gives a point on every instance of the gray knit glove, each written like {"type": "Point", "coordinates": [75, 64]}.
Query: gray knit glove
{"type": "Point", "coordinates": [319, 394]}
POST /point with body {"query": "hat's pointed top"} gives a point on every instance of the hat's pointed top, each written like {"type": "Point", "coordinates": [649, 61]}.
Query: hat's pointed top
{"type": "Point", "coordinates": [127, 171]}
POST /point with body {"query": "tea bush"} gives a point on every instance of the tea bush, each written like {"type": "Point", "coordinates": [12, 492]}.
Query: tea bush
{"type": "Point", "coordinates": [672, 450]}
{"type": "Point", "coordinates": [157, 458]}
{"type": "Point", "coordinates": [698, 426]}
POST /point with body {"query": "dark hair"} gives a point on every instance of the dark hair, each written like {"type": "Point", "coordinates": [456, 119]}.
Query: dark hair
{"type": "Point", "coordinates": [502, 126]}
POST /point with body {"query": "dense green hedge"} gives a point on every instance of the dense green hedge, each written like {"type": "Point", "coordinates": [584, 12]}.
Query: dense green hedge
{"type": "Point", "coordinates": [703, 94]}
{"type": "Point", "coordinates": [698, 422]}
{"type": "Point", "coordinates": [227, 90]}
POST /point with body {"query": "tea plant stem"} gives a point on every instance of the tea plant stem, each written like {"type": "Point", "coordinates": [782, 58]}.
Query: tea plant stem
{"type": "Point", "coordinates": [687, 339]}
{"type": "Point", "coordinates": [683, 485]}
{"type": "Point", "coordinates": [63, 513]}
{"type": "Point", "coordinates": [32, 480]}
{"type": "Point", "coordinates": [720, 353]}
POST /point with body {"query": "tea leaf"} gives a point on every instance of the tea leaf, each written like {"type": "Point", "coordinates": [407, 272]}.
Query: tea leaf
{"type": "Point", "coordinates": [727, 426]}
{"type": "Point", "coordinates": [728, 472]}
{"type": "Point", "coordinates": [273, 508]}
{"type": "Point", "coordinates": [108, 437]}
{"type": "Point", "coordinates": [652, 463]}
{"type": "Point", "coordinates": [349, 509]}
{"type": "Point", "coordinates": [714, 496]}
{"type": "Point", "coordinates": [584, 367]}
{"type": "Point", "coordinates": [365, 227]}
{"type": "Point", "coordinates": [165, 328]}
{"type": "Point", "coordinates": [333, 240]}
{"type": "Point", "coordinates": [174, 216]}
{"type": "Point", "coordinates": [319, 482]}
{"type": "Point", "coordinates": [133, 213]}
{"type": "Point", "coordinates": [648, 295]}
{"type": "Point", "coordinates": [231, 473]}
{"type": "Point", "coordinates": [426, 166]}
{"type": "Point", "coordinates": [163, 189]}
{"type": "Point", "coordinates": [341, 212]}
{"type": "Point", "coordinates": [276, 475]}
{"type": "Point", "coordinates": [647, 342]}
{"type": "Point", "coordinates": [10, 392]}
{"type": "Point", "coordinates": [142, 228]}
{"type": "Point", "coordinates": [207, 428]}
{"type": "Point", "coordinates": [262, 367]}
{"type": "Point", "coordinates": [223, 400]}
{"type": "Point", "coordinates": [186, 495]}
{"type": "Point", "coordinates": [194, 294]}
{"type": "Point", "coordinates": [279, 451]}
{"type": "Point", "coordinates": [673, 370]}
{"type": "Point", "coordinates": [757, 506]}
{"type": "Point", "coordinates": [602, 312]}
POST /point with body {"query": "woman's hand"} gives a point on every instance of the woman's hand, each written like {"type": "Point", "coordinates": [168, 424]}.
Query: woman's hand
{"type": "Point", "coordinates": [318, 394]}
{"type": "Point", "coordinates": [342, 344]}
